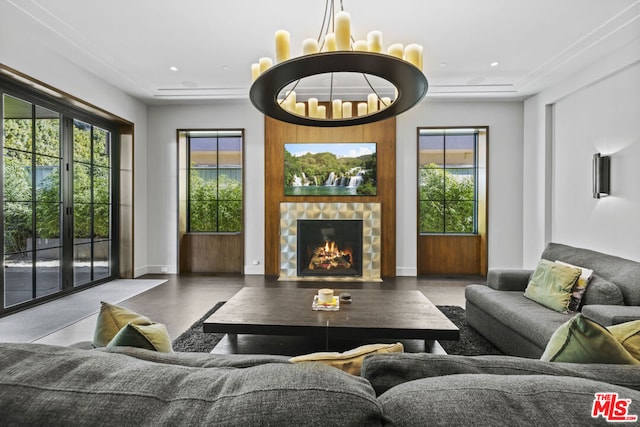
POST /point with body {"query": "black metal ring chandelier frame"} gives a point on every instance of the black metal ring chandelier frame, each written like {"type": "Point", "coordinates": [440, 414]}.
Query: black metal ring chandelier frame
{"type": "Point", "coordinates": [410, 82]}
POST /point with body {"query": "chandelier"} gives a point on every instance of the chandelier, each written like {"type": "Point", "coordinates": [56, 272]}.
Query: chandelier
{"type": "Point", "coordinates": [304, 90]}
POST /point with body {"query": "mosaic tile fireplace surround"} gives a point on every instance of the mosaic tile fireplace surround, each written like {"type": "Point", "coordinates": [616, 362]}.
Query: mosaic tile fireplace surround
{"type": "Point", "coordinates": [369, 213]}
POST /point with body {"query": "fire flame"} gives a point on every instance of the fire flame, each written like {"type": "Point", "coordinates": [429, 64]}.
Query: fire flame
{"type": "Point", "coordinates": [329, 256]}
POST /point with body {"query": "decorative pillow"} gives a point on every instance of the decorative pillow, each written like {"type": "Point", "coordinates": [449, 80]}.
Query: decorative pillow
{"type": "Point", "coordinates": [628, 334]}
{"type": "Point", "coordinates": [111, 319]}
{"type": "Point", "coordinates": [581, 340]}
{"type": "Point", "coordinates": [151, 337]}
{"type": "Point", "coordinates": [349, 361]}
{"type": "Point", "coordinates": [579, 287]}
{"type": "Point", "coordinates": [551, 285]}
{"type": "Point", "coordinates": [603, 292]}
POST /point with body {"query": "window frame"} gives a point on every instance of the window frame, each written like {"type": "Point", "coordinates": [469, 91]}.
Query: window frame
{"type": "Point", "coordinates": [216, 133]}
{"type": "Point", "coordinates": [455, 130]}
{"type": "Point", "coordinates": [68, 112]}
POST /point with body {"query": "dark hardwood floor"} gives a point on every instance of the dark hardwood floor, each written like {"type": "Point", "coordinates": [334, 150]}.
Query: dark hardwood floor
{"type": "Point", "coordinates": [183, 299]}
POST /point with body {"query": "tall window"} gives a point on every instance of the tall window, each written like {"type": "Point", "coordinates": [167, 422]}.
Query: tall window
{"type": "Point", "coordinates": [57, 186]}
{"type": "Point", "coordinates": [91, 202]}
{"type": "Point", "coordinates": [32, 201]}
{"type": "Point", "coordinates": [447, 180]}
{"type": "Point", "coordinates": [215, 181]}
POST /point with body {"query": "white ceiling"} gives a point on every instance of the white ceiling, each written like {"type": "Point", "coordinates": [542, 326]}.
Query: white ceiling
{"type": "Point", "coordinates": [133, 43]}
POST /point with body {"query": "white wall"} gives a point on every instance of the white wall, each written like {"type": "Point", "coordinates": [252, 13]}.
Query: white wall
{"type": "Point", "coordinates": [596, 110]}
{"type": "Point", "coordinates": [164, 121]}
{"type": "Point", "coordinates": [505, 175]}
{"type": "Point", "coordinates": [603, 118]}
{"type": "Point", "coordinates": [505, 157]}
{"type": "Point", "coordinates": [22, 48]}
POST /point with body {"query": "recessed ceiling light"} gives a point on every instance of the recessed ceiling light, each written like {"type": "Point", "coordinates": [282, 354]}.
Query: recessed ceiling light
{"type": "Point", "coordinates": [494, 64]}
{"type": "Point", "coordinates": [443, 64]}
{"type": "Point", "coordinates": [173, 68]}
{"type": "Point", "coordinates": [226, 67]}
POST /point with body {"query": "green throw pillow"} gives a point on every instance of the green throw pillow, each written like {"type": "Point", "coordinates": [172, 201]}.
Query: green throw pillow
{"type": "Point", "coordinates": [151, 337]}
{"type": "Point", "coordinates": [628, 334]}
{"type": "Point", "coordinates": [581, 340]}
{"type": "Point", "coordinates": [551, 285]}
{"type": "Point", "coordinates": [111, 319]}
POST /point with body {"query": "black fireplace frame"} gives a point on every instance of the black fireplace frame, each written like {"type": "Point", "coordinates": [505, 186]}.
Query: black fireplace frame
{"type": "Point", "coordinates": [353, 238]}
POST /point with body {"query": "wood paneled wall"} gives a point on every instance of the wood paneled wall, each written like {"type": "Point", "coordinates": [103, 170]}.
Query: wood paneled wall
{"type": "Point", "coordinates": [278, 133]}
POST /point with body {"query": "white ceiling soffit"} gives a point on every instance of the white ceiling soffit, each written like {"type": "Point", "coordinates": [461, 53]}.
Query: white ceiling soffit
{"type": "Point", "coordinates": [132, 45]}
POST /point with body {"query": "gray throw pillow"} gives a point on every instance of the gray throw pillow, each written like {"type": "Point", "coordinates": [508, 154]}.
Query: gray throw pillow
{"type": "Point", "coordinates": [601, 291]}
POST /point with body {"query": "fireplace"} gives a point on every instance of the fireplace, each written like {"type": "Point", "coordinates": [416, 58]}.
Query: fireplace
{"type": "Point", "coordinates": [329, 247]}
{"type": "Point", "coordinates": [369, 215]}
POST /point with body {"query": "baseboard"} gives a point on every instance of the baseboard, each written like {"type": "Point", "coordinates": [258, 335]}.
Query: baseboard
{"type": "Point", "coordinates": [254, 270]}
{"type": "Point", "coordinates": [406, 271]}
{"type": "Point", "coordinates": [161, 269]}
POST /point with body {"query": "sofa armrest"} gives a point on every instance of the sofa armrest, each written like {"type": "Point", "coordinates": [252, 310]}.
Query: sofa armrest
{"type": "Point", "coordinates": [508, 279]}
{"type": "Point", "coordinates": [608, 315]}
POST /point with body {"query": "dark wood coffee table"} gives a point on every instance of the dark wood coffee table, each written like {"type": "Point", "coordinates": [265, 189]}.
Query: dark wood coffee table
{"type": "Point", "coordinates": [373, 314]}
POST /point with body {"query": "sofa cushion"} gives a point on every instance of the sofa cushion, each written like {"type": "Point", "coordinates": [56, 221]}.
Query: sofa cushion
{"type": "Point", "coordinates": [386, 371]}
{"type": "Point", "coordinates": [48, 385]}
{"type": "Point", "coordinates": [517, 313]}
{"type": "Point", "coordinates": [197, 360]}
{"type": "Point", "coordinates": [349, 361]}
{"type": "Point", "coordinates": [151, 337]}
{"type": "Point", "coordinates": [582, 340]}
{"type": "Point", "coordinates": [112, 318]}
{"type": "Point", "coordinates": [499, 400]}
{"type": "Point", "coordinates": [628, 334]}
{"type": "Point", "coordinates": [551, 285]}
{"type": "Point", "coordinates": [611, 314]}
{"type": "Point", "coordinates": [622, 272]}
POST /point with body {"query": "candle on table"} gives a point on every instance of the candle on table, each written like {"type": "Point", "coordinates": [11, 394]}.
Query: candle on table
{"type": "Point", "coordinates": [385, 101]}
{"type": "Point", "coordinates": [322, 112]}
{"type": "Point", "coordinates": [300, 109]}
{"type": "Point", "coordinates": [346, 110]}
{"type": "Point", "coordinates": [362, 109]}
{"type": "Point", "coordinates": [343, 31]}
{"type": "Point", "coordinates": [374, 41]}
{"type": "Point", "coordinates": [283, 46]}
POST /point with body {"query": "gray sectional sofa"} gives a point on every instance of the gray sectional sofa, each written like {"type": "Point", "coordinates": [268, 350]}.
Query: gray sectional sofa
{"type": "Point", "coordinates": [521, 327]}
{"type": "Point", "coordinates": [122, 386]}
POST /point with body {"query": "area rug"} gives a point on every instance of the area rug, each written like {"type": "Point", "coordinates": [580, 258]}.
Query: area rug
{"type": "Point", "coordinates": [194, 340]}
{"type": "Point", "coordinates": [471, 343]}
{"type": "Point", "coordinates": [44, 320]}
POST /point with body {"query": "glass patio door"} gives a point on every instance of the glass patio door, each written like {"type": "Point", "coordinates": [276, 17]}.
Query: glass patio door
{"type": "Point", "coordinates": [91, 203]}
{"type": "Point", "coordinates": [57, 199]}
{"type": "Point", "coordinates": [32, 201]}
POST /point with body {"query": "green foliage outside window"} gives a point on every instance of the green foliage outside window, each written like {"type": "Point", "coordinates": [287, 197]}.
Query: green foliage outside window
{"type": "Point", "coordinates": [215, 205]}
{"type": "Point", "coordinates": [446, 201]}
{"type": "Point", "coordinates": [17, 179]}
